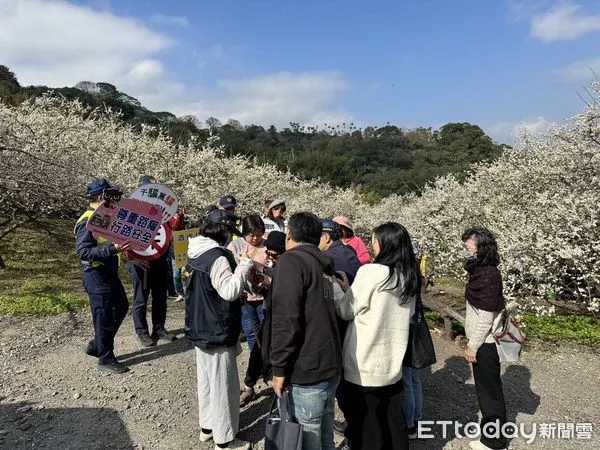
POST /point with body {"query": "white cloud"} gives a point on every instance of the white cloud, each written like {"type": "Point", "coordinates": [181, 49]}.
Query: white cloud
{"type": "Point", "coordinates": [163, 19]}
{"type": "Point", "coordinates": [582, 70]}
{"type": "Point", "coordinates": [507, 132]}
{"type": "Point", "coordinates": [520, 10]}
{"type": "Point", "coordinates": [55, 43]}
{"type": "Point", "coordinates": [565, 21]}
{"type": "Point", "coordinates": [273, 99]}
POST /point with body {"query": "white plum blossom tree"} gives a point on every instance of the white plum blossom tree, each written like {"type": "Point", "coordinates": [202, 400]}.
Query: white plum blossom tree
{"type": "Point", "coordinates": [539, 198]}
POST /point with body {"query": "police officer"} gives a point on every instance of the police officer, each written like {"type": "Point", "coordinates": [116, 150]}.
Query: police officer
{"type": "Point", "coordinates": [153, 278]}
{"type": "Point", "coordinates": [228, 203]}
{"type": "Point", "coordinates": [108, 302]}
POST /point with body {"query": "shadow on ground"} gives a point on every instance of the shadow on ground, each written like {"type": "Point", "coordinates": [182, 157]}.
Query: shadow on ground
{"type": "Point", "coordinates": [160, 350]}
{"type": "Point", "coordinates": [448, 397]}
{"type": "Point", "coordinates": [25, 426]}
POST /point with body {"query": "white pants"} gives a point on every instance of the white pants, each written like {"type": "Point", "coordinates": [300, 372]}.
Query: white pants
{"type": "Point", "coordinates": [218, 392]}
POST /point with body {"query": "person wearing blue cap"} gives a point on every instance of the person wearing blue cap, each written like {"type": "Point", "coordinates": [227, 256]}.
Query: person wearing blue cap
{"type": "Point", "coordinates": [344, 260]}
{"type": "Point", "coordinates": [228, 218]}
{"type": "Point", "coordinates": [100, 276]}
{"type": "Point", "coordinates": [228, 203]}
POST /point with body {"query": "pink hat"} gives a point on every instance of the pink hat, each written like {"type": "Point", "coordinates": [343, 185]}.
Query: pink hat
{"type": "Point", "coordinates": [343, 221]}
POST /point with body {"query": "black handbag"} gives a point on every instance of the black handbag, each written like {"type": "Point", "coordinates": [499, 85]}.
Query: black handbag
{"type": "Point", "coordinates": [281, 433]}
{"type": "Point", "coordinates": [420, 352]}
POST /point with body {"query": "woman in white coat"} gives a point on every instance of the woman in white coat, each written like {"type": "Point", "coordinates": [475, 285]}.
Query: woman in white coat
{"type": "Point", "coordinates": [379, 305]}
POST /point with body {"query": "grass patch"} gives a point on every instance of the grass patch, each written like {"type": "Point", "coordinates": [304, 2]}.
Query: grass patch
{"type": "Point", "coordinates": [583, 330]}
{"type": "Point", "coordinates": [43, 274]}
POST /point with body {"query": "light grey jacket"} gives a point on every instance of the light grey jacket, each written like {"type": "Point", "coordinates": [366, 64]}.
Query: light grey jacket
{"type": "Point", "coordinates": [480, 326]}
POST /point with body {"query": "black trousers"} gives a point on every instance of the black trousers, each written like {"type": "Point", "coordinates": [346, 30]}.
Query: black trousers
{"type": "Point", "coordinates": [376, 418]}
{"type": "Point", "coordinates": [489, 392]}
{"type": "Point", "coordinates": [108, 303]}
{"type": "Point", "coordinates": [155, 282]}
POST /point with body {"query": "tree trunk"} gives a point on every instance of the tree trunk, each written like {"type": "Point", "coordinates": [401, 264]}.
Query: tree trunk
{"type": "Point", "coordinates": [16, 224]}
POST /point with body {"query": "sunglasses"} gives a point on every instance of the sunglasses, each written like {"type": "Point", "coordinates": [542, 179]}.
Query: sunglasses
{"type": "Point", "coordinates": [279, 208]}
{"type": "Point", "coordinates": [272, 254]}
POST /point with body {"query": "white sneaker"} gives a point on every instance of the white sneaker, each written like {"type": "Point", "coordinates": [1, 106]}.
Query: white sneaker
{"type": "Point", "coordinates": [236, 444]}
{"type": "Point", "coordinates": [477, 445]}
{"type": "Point", "coordinates": [179, 298]}
{"type": "Point", "coordinates": [205, 437]}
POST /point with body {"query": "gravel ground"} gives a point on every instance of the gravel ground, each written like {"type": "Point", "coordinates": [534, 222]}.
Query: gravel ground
{"type": "Point", "coordinates": [52, 395]}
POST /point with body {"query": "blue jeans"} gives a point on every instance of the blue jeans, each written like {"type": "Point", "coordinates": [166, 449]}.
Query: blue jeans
{"type": "Point", "coordinates": [177, 278]}
{"type": "Point", "coordinates": [253, 316]}
{"type": "Point", "coordinates": [413, 395]}
{"type": "Point", "coordinates": [313, 406]}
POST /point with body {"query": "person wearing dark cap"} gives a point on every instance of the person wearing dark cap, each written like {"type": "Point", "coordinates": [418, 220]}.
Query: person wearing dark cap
{"type": "Point", "coordinates": [152, 278]}
{"type": "Point", "coordinates": [228, 203]}
{"type": "Point", "coordinates": [344, 257]}
{"type": "Point", "coordinates": [213, 322]}
{"type": "Point", "coordinates": [275, 244]}
{"type": "Point", "coordinates": [147, 179]}
{"type": "Point", "coordinates": [229, 220]}
{"type": "Point", "coordinates": [100, 276]}
{"type": "Point", "coordinates": [344, 260]}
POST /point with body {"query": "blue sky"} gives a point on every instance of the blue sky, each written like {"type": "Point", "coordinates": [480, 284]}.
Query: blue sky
{"type": "Point", "coordinates": [497, 63]}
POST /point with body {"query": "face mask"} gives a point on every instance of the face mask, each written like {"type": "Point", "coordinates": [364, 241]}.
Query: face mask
{"type": "Point", "coordinates": [466, 254]}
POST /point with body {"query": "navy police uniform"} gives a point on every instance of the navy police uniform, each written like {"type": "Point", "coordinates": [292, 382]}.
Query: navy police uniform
{"type": "Point", "coordinates": [108, 301]}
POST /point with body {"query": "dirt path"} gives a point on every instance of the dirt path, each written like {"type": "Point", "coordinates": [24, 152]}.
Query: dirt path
{"type": "Point", "coordinates": [52, 395]}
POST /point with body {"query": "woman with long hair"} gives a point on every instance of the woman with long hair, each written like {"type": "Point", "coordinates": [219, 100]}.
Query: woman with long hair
{"type": "Point", "coordinates": [379, 306]}
{"type": "Point", "coordinates": [485, 304]}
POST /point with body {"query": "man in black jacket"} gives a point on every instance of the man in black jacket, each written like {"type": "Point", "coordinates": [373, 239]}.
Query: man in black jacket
{"type": "Point", "coordinates": [305, 344]}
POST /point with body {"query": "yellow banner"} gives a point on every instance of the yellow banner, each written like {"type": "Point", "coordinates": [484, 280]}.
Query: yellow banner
{"type": "Point", "coordinates": [180, 245]}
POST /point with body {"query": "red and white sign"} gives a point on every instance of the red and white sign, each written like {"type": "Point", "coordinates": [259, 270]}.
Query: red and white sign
{"type": "Point", "coordinates": [160, 195]}
{"type": "Point", "coordinates": [157, 248]}
{"type": "Point", "coordinates": [127, 221]}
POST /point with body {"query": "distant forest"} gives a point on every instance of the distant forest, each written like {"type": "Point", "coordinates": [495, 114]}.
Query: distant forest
{"type": "Point", "coordinates": [375, 161]}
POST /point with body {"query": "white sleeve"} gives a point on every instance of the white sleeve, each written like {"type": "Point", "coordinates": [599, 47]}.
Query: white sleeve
{"type": "Point", "coordinates": [481, 330]}
{"type": "Point", "coordinates": [358, 297]}
{"type": "Point", "coordinates": [229, 285]}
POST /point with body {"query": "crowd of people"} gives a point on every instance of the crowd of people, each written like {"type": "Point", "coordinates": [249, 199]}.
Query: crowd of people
{"type": "Point", "coordinates": [324, 321]}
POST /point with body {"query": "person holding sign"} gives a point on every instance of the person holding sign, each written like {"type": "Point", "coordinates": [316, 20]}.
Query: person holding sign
{"type": "Point", "coordinates": [150, 278]}
{"type": "Point", "coordinates": [100, 276]}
